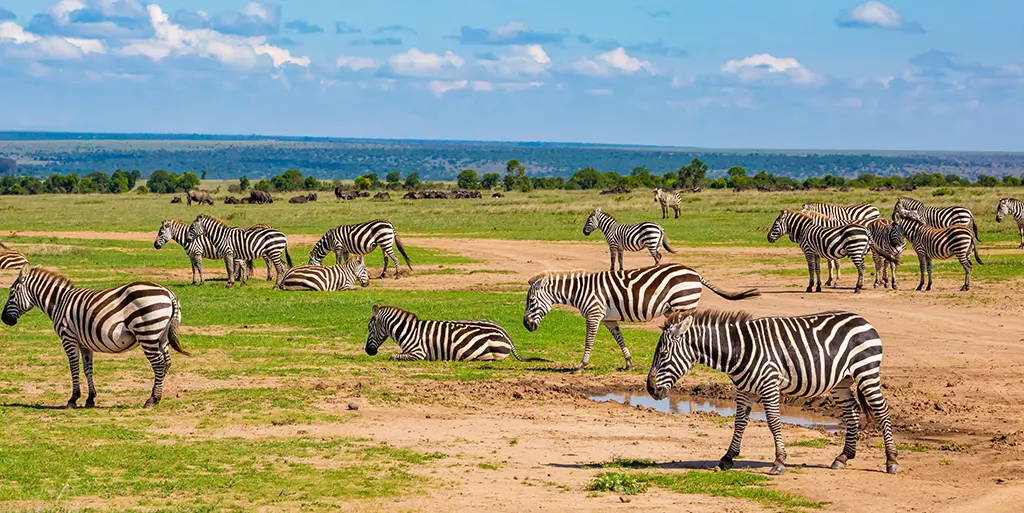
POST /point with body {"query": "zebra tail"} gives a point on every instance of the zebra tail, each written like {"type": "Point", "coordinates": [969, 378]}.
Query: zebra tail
{"type": "Point", "coordinates": [731, 296]}
{"type": "Point", "coordinates": [2, 246]}
{"type": "Point", "coordinates": [288, 256]}
{"type": "Point", "coordinates": [516, 354]}
{"type": "Point", "coordinates": [862, 401]}
{"type": "Point", "coordinates": [976, 255]}
{"type": "Point", "coordinates": [974, 226]}
{"type": "Point", "coordinates": [664, 242]}
{"type": "Point", "coordinates": [401, 249]}
{"type": "Point", "coordinates": [172, 327]}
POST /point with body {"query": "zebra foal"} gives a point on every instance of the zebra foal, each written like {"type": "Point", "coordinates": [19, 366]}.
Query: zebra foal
{"type": "Point", "coordinates": [361, 239]}
{"type": "Point", "coordinates": [817, 242]}
{"type": "Point", "coordinates": [627, 237]}
{"type": "Point", "coordinates": [327, 278]}
{"type": "Point", "coordinates": [104, 321]}
{"type": "Point", "coordinates": [1014, 208]}
{"type": "Point", "coordinates": [235, 243]}
{"type": "Point", "coordinates": [766, 358]}
{"type": "Point", "coordinates": [668, 199]}
{"type": "Point", "coordinates": [930, 243]}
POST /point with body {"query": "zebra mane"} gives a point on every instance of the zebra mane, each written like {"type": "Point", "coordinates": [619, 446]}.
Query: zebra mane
{"type": "Point", "coordinates": [52, 275]}
{"type": "Point", "coordinates": [553, 274]}
{"type": "Point", "coordinates": [402, 311]}
{"type": "Point", "coordinates": [213, 219]}
{"type": "Point", "coordinates": [910, 202]}
{"type": "Point", "coordinates": [609, 216]}
{"type": "Point", "coordinates": [709, 316]}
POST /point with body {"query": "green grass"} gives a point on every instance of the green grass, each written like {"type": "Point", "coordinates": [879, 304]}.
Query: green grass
{"type": "Point", "coordinates": [817, 443]}
{"type": "Point", "coordinates": [625, 463]}
{"type": "Point", "coordinates": [733, 484]}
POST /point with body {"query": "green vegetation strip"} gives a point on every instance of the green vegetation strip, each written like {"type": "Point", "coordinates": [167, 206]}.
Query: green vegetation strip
{"type": "Point", "coordinates": [734, 484]}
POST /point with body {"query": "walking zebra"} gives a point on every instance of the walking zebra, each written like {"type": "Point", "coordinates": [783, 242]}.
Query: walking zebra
{"type": "Point", "coordinates": [668, 199]}
{"type": "Point", "coordinates": [1015, 208]}
{"type": "Point", "coordinates": [105, 321]}
{"type": "Point", "coordinates": [438, 340]}
{"type": "Point", "coordinates": [329, 278]}
{"type": "Point", "coordinates": [201, 248]}
{"type": "Point", "coordinates": [627, 237]}
{"type": "Point", "coordinates": [930, 243]}
{"type": "Point", "coordinates": [607, 297]}
{"type": "Point", "coordinates": [817, 242]}
{"type": "Point", "coordinates": [844, 212]}
{"type": "Point", "coordinates": [806, 356]}
{"type": "Point", "coordinates": [938, 217]}
{"type": "Point", "coordinates": [361, 239]}
{"type": "Point", "coordinates": [235, 243]}
{"type": "Point", "coordinates": [11, 259]}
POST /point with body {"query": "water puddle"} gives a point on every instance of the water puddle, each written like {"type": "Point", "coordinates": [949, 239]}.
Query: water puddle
{"type": "Point", "coordinates": [686, 405]}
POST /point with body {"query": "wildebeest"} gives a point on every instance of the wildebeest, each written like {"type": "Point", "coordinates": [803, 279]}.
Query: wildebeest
{"type": "Point", "coordinates": [231, 200]}
{"type": "Point", "coordinates": [497, 195]}
{"type": "Point", "coordinates": [199, 197]}
{"type": "Point", "coordinates": [382, 196]}
{"type": "Point", "coordinates": [176, 199]}
{"type": "Point", "coordinates": [339, 193]}
{"type": "Point", "coordinates": [616, 190]}
{"type": "Point", "coordinates": [303, 198]}
{"type": "Point", "coordinates": [258, 197]}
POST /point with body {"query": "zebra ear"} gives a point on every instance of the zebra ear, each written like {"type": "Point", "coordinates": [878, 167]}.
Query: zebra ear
{"type": "Point", "coordinates": [375, 308]}
{"type": "Point", "coordinates": [676, 330]}
{"type": "Point", "coordinates": [24, 268]}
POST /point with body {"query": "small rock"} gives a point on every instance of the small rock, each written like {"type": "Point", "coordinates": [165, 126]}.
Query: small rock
{"type": "Point", "coordinates": [624, 499]}
{"type": "Point", "coordinates": [353, 406]}
{"type": "Point", "coordinates": [938, 407]}
{"type": "Point", "coordinates": [1000, 481]}
{"type": "Point", "coordinates": [949, 384]}
{"type": "Point", "coordinates": [517, 395]}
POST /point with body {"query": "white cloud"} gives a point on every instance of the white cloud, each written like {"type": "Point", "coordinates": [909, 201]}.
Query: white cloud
{"type": "Point", "coordinates": [281, 56]}
{"type": "Point", "coordinates": [32, 46]}
{"type": "Point", "coordinates": [13, 32]}
{"type": "Point", "coordinates": [356, 63]}
{"type": "Point", "coordinates": [768, 67]}
{"type": "Point", "coordinates": [417, 63]}
{"type": "Point", "coordinates": [88, 45]}
{"type": "Point", "coordinates": [440, 87]}
{"type": "Point", "coordinates": [877, 14]}
{"type": "Point", "coordinates": [529, 60]}
{"type": "Point", "coordinates": [610, 63]}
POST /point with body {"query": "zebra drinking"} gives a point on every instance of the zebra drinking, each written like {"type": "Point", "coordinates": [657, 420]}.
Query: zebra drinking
{"type": "Point", "coordinates": [201, 248]}
{"type": "Point", "coordinates": [235, 243]}
{"type": "Point", "coordinates": [607, 297]}
{"type": "Point", "coordinates": [361, 239]}
{"type": "Point", "coordinates": [104, 321]}
{"type": "Point", "coordinates": [1015, 208]}
{"type": "Point", "coordinates": [11, 259]}
{"type": "Point", "coordinates": [627, 237]}
{"type": "Point", "coordinates": [766, 358]}
{"type": "Point", "coordinates": [930, 243]}
{"type": "Point", "coordinates": [938, 217]}
{"type": "Point", "coordinates": [328, 278]}
{"type": "Point", "coordinates": [817, 242]}
{"type": "Point", "coordinates": [668, 199]}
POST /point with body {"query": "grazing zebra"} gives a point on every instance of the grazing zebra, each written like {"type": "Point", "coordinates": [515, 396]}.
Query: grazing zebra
{"type": "Point", "coordinates": [438, 340]}
{"type": "Point", "coordinates": [884, 255]}
{"type": "Point", "coordinates": [361, 239]}
{"type": "Point", "coordinates": [607, 297]}
{"type": "Point", "coordinates": [236, 243]}
{"type": "Point", "coordinates": [938, 217]}
{"type": "Point", "coordinates": [328, 278]}
{"type": "Point", "coordinates": [817, 242]}
{"type": "Point", "coordinates": [627, 237]}
{"type": "Point", "coordinates": [1015, 208]}
{"type": "Point", "coordinates": [200, 248]}
{"type": "Point", "coordinates": [10, 259]}
{"type": "Point", "coordinates": [668, 199]}
{"type": "Point", "coordinates": [104, 321]}
{"type": "Point", "coordinates": [844, 212]}
{"type": "Point", "coordinates": [806, 356]}
{"type": "Point", "coordinates": [930, 243]}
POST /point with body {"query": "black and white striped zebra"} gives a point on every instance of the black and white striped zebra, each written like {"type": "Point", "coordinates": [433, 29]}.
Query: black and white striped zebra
{"type": "Point", "coordinates": [361, 239]}
{"type": "Point", "coordinates": [327, 278]}
{"type": "Point", "coordinates": [885, 256]}
{"type": "Point", "coordinates": [766, 358]}
{"type": "Point", "coordinates": [844, 212]}
{"type": "Point", "coordinates": [1014, 208]}
{"type": "Point", "coordinates": [235, 243]}
{"type": "Point", "coordinates": [438, 340]}
{"type": "Point", "coordinates": [938, 217]}
{"type": "Point", "coordinates": [101, 321]}
{"type": "Point", "coordinates": [627, 237]}
{"type": "Point", "coordinates": [607, 297]}
{"type": "Point", "coordinates": [11, 259]}
{"type": "Point", "coordinates": [668, 199]}
{"type": "Point", "coordinates": [817, 242]}
{"type": "Point", "coordinates": [930, 243]}
{"type": "Point", "coordinates": [199, 249]}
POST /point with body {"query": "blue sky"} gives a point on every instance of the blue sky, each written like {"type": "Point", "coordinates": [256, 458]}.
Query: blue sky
{"type": "Point", "coordinates": [937, 75]}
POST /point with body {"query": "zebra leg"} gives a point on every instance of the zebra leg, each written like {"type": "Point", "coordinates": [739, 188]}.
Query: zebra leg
{"type": "Point", "coordinates": [611, 251]}
{"type": "Point", "coordinates": [621, 254]}
{"type": "Point", "coordinates": [654, 253]}
{"type": "Point", "coordinates": [71, 349]}
{"type": "Point", "coordinates": [279, 266]}
{"type": "Point", "coordinates": [676, 208]}
{"type": "Point", "coordinates": [843, 396]}
{"type": "Point", "coordinates": [406, 357]}
{"type": "Point", "coordinates": [858, 260]}
{"type": "Point", "coordinates": [592, 323]}
{"type": "Point", "coordinates": [384, 271]}
{"type": "Point", "coordinates": [192, 260]}
{"type": "Point", "coordinates": [831, 283]}
{"type": "Point", "coordinates": [664, 211]}
{"type": "Point", "coordinates": [1021, 228]}
{"type": "Point", "coordinates": [743, 404]}
{"type": "Point", "coordinates": [90, 401]}
{"type": "Point", "coordinates": [880, 266]}
{"type": "Point", "coordinates": [968, 266]}
{"type": "Point", "coordinates": [872, 393]}
{"type": "Point", "coordinates": [197, 265]}
{"type": "Point", "coordinates": [617, 333]}
{"type": "Point", "coordinates": [929, 259]}
{"type": "Point", "coordinates": [770, 399]}
{"type": "Point", "coordinates": [920, 263]}
{"type": "Point", "coordinates": [810, 273]}
{"type": "Point", "coordinates": [265, 261]}
{"type": "Point", "coordinates": [894, 265]}
{"type": "Point", "coordinates": [394, 257]}
{"type": "Point", "coordinates": [229, 264]}
{"type": "Point", "coordinates": [155, 355]}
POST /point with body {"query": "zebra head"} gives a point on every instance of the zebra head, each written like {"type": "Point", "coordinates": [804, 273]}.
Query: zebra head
{"type": "Point", "coordinates": [320, 250]}
{"type": "Point", "coordinates": [358, 268]}
{"type": "Point", "coordinates": [377, 331]}
{"type": "Point", "coordinates": [672, 356]}
{"type": "Point", "coordinates": [657, 194]}
{"type": "Point", "coordinates": [163, 235]}
{"type": "Point", "coordinates": [538, 303]}
{"type": "Point", "coordinates": [19, 301]}
{"type": "Point", "coordinates": [779, 228]}
{"type": "Point", "coordinates": [1002, 210]}
{"type": "Point", "coordinates": [196, 229]}
{"type": "Point", "coordinates": [904, 221]}
{"type": "Point", "coordinates": [592, 222]}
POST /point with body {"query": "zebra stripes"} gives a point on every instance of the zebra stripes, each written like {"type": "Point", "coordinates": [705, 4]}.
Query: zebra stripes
{"type": "Point", "coordinates": [627, 237]}
{"type": "Point", "coordinates": [766, 358]}
{"type": "Point", "coordinates": [668, 199]}
{"type": "Point", "coordinates": [101, 321]}
{"type": "Point", "coordinates": [817, 242]}
{"type": "Point", "coordinates": [1015, 208]}
{"type": "Point", "coordinates": [608, 297]}
{"type": "Point", "coordinates": [437, 340]}
{"type": "Point", "coordinates": [844, 212]}
{"type": "Point", "coordinates": [10, 259]}
{"type": "Point", "coordinates": [235, 243]}
{"type": "Point", "coordinates": [327, 278]}
{"type": "Point", "coordinates": [930, 243]}
{"type": "Point", "coordinates": [938, 217]}
{"type": "Point", "coordinates": [200, 248]}
{"type": "Point", "coordinates": [885, 256]}
{"type": "Point", "coordinates": [361, 239]}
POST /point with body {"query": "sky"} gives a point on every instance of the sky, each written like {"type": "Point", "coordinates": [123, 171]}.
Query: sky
{"type": "Point", "coordinates": [785, 74]}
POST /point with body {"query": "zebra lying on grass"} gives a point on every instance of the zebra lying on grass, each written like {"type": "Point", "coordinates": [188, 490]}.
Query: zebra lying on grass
{"type": "Point", "coordinates": [360, 239]}
{"type": "Point", "coordinates": [328, 278]}
{"type": "Point", "coordinates": [938, 217]}
{"type": "Point", "coordinates": [1015, 208]}
{"type": "Point", "coordinates": [817, 242]}
{"type": "Point", "coordinates": [668, 199]}
{"type": "Point", "coordinates": [930, 243]}
{"type": "Point", "coordinates": [235, 243]}
{"type": "Point", "coordinates": [438, 340]}
{"type": "Point", "coordinates": [607, 297]}
{"type": "Point", "coordinates": [627, 237]}
{"type": "Point", "coordinates": [766, 358]}
{"type": "Point", "coordinates": [105, 321]}
{"type": "Point", "coordinates": [201, 248]}
{"type": "Point", "coordinates": [11, 259]}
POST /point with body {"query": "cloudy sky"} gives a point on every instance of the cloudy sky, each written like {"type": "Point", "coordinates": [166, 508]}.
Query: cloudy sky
{"type": "Point", "coordinates": [942, 74]}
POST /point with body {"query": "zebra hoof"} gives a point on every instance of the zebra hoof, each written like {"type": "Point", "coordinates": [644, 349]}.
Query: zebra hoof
{"type": "Point", "coordinates": [838, 465]}
{"type": "Point", "coordinates": [71, 405]}
{"type": "Point", "coordinates": [964, 288]}
{"type": "Point", "coordinates": [891, 468]}
{"type": "Point", "coordinates": [818, 289]}
{"type": "Point", "coordinates": [151, 402]}
{"type": "Point", "coordinates": [919, 287]}
{"type": "Point", "coordinates": [725, 464]}
{"type": "Point", "coordinates": [777, 470]}
{"type": "Point", "coordinates": [809, 289]}
{"type": "Point", "coordinates": [90, 403]}
{"type": "Point", "coordinates": [578, 370]}
{"type": "Point", "coordinates": [629, 366]}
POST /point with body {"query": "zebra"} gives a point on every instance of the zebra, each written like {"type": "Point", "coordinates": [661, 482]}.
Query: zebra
{"type": "Point", "coordinates": [668, 199]}
{"type": "Point", "coordinates": [242, 244]}
{"type": "Point", "coordinates": [627, 237]}
{"type": "Point", "coordinates": [330, 278]}
{"type": "Point", "coordinates": [361, 239]}
{"type": "Point", "coordinates": [929, 243]}
{"type": "Point", "coordinates": [607, 297]}
{"type": "Point", "coordinates": [766, 358]}
{"type": "Point", "coordinates": [438, 340]}
{"type": "Point", "coordinates": [11, 259]}
{"type": "Point", "coordinates": [844, 212]}
{"type": "Point", "coordinates": [1015, 208]}
{"type": "Point", "coordinates": [105, 321]}
{"type": "Point", "coordinates": [884, 255]}
{"type": "Point", "coordinates": [938, 217]}
{"type": "Point", "coordinates": [817, 242]}
{"type": "Point", "coordinates": [200, 248]}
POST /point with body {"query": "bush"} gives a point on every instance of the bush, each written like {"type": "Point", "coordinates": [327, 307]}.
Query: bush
{"type": "Point", "coordinates": [944, 191]}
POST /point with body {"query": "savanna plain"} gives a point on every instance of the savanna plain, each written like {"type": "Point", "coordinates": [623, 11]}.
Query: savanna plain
{"type": "Point", "coordinates": [258, 417]}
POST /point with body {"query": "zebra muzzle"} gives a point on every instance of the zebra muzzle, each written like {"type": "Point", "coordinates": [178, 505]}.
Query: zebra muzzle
{"type": "Point", "coordinates": [8, 319]}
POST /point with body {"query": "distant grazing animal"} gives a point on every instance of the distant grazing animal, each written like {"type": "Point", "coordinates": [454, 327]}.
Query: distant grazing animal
{"type": "Point", "coordinates": [199, 197]}
{"type": "Point", "coordinates": [938, 217]}
{"type": "Point", "coordinates": [1015, 208]}
{"type": "Point", "coordinates": [299, 199]}
{"type": "Point", "coordinates": [328, 278]}
{"type": "Point", "coordinates": [930, 243]}
{"type": "Point", "coordinates": [11, 259]}
{"type": "Point", "coordinates": [438, 340]}
{"type": "Point", "coordinates": [668, 199]}
{"type": "Point", "coordinates": [382, 196]}
{"type": "Point", "coordinates": [176, 199]}
{"type": "Point", "coordinates": [361, 239]}
{"type": "Point", "coordinates": [258, 197]}
{"type": "Point", "coordinates": [105, 321]}
{"type": "Point", "coordinates": [766, 358]}
{"type": "Point", "coordinates": [844, 212]}
{"type": "Point", "coordinates": [817, 242]}
{"type": "Point", "coordinates": [236, 243]}
{"type": "Point", "coordinates": [627, 237]}
{"type": "Point", "coordinates": [607, 297]}
{"type": "Point", "coordinates": [200, 248]}
{"type": "Point", "coordinates": [497, 195]}
{"type": "Point", "coordinates": [231, 200]}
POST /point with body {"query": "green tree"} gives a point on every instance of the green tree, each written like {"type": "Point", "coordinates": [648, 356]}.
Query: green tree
{"type": "Point", "coordinates": [586, 178]}
{"type": "Point", "coordinates": [311, 183]}
{"type": "Point", "coordinates": [515, 176]}
{"type": "Point", "coordinates": [693, 174]}
{"type": "Point", "coordinates": [490, 180]}
{"type": "Point", "coordinates": [243, 183]}
{"type": "Point", "coordinates": [290, 180]}
{"type": "Point", "coordinates": [87, 186]}
{"type": "Point", "coordinates": [394, 179]}
{"type": "Point", "coordinates": [987, 181]}
{"type": "Point", "coordinates": [102, 180]}
{"type": "Point", "coordinates": [412, 180]}
{"type": "Point", "coordinates": [363, 183]}
{"type": "Point", "coordinates": [468, 179]}
{"type": "Point", "coordinates": [204, 174]}
{"type": "Point", "coordinates": [118, 184]}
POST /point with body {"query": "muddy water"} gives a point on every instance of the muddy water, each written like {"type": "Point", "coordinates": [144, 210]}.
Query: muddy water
{"type": "Point", "coordinates": [686, 405]}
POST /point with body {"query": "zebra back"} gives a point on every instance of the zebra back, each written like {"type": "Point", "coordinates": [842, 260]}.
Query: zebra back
{"type": "Point", "coordinates": [437, 340]}
{"type": "Point", "coordinates": [844, 212]}
{"type": "Point", "coordinates": [938, 217]}
{"type": "Point", "coordinates": [11, 259]}
{"type": "Point", "coordinates": [327, 278]}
